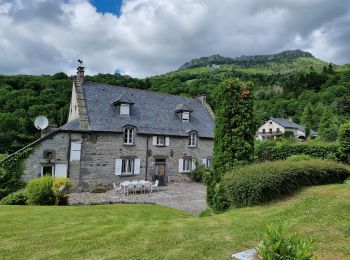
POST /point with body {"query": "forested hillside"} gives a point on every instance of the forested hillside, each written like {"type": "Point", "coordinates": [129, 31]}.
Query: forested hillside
{"type": "Point", "coordinates": [291, 84]}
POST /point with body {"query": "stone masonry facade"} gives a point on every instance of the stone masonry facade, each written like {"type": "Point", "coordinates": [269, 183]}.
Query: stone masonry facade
{"type": "Point", "coordinates": [99, 152]}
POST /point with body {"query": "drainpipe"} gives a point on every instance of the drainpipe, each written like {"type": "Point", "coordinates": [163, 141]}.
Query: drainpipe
{"type": "Point", "coordinates": [146, 173]}
{"type": "Point", "coordinates": [68, 154]}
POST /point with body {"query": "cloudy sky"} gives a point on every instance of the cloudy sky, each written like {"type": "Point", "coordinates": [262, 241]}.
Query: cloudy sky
{"type": "Point", "coordinates": [148, 37]}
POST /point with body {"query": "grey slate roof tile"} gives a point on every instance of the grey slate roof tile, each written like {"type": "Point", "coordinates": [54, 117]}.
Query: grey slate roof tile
{"type": "Point", "coordinates": [151, 113]}
{"type": "Point", "coordinates": [290, 124]}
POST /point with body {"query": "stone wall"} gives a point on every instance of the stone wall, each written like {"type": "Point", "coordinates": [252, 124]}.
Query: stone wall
{"type": "Point", "coordinates": [99, 152]}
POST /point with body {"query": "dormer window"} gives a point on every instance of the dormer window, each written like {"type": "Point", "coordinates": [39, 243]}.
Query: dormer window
{"type": "Point", "coordinates": [129, 135]}
{"type": "Point", "coordinates": [192, 140]}
{"type": "Point", "coordinates": [185, 116]}
{"type": "Point", "coordinates": [124, 105]}
{"type": "Point", "coordinates": [183, 112]}
{"type": "Point", "coordinates": [124, 109]}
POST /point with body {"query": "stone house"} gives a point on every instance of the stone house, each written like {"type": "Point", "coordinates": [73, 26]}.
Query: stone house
{"type": "Point", "coordinates": [276, 127]}
{"type": "Point", "coordinates": [117, 133]}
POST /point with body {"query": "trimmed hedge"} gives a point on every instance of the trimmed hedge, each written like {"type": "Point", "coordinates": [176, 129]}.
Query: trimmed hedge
{"type": "Point", "coordinates": [259, 183]}
{"type": "Point", "coordinates": [272, 150]}
{"type": "Point", "coordinates": [15, 198]}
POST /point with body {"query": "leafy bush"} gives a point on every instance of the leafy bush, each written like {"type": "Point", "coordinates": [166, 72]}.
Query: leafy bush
{"type": "Point", "coordinates": [61, 187]}
{"type": "Point", "coordinates": [275, 245]}
{"type": "Point", "coordinates": [344, 140]}
{"type": "Point", "coordinates": [259, 183]}
{"type": "Point", "coordinates": [15, 198]}
{"type": "Point", "coordinates": [40, 191]}
{"type": "Point", "coordinates": [11, 172]}
{"type": "Point", "coordinates": [299, 157]}
{"type": "Point", "coordinates": [272, 150]}
{"type": "Point", "coordinates": [198, 173]}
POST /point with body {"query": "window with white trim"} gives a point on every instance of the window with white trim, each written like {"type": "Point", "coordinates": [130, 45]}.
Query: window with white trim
{"type": "Point", "coordinates": [192, 140]}
{"type": "Point", "coordinates": [128, 166]}
{"type": "Point", "coordinates": [160, 140]}
{"type": "Point", "coordinates": [124, 109]}
{"type": "Point", "coordinates": [185, 116]}
{"type": "Point", "coordinates": [128, 135]}
{"type": "Point", "coordinates": [187, 165]}
{"type": "Point", "coordinates": [208, 163]}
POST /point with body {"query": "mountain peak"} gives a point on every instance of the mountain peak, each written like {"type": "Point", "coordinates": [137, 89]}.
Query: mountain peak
{"type": "Point", "coordinates": [246, 60]}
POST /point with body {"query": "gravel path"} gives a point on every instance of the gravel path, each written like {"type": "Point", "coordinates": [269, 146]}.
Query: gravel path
{"type": "Point", "coordinates": [183, 196]}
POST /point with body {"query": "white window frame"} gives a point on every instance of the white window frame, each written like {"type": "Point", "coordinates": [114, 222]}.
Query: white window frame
{"type": "Point", "coordinates": [185, 116]}
{"type": "Point", "coordinates": [75, 151]}
{"type": "Point", "coordinates": [187, 165]}
{"type": "Point", "coordinates": [160, 141]}
{"type": "Point", "coordinates": [128, 167]}
{"type": "Point", "coordinates": [124, 109]}
{"type": "Point", "coordinates": [128, 136]}
{"type": "Point", "coordinates": [192, 140]}
{"type": "Point", "coordinates": [208, 162]}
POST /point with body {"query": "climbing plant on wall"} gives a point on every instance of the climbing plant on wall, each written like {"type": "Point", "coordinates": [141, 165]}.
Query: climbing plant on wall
{"type": "Point", "coordinates": [11, 171]}
{"type": "Point", "coordinates": [234, 130]}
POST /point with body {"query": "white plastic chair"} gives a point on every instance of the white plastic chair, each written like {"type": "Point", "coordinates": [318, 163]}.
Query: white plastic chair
{"type": "Point", "coordinates": [155, 185]}
{"type": "Point", "coordinates": [116, 188]}
{"type": "Point", "coordinates": [131, 186]}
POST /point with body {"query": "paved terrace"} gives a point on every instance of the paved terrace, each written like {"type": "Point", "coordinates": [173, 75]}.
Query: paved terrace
{"type": "Point", "coordinates": [189, 197]}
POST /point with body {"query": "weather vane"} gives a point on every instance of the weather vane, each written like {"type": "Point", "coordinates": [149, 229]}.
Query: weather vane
{"type": "Point", "coordinates": [80, 61]}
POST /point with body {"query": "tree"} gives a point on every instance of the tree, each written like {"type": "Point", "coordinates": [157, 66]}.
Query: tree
{"type": "Point", "coordinates": [234, 130]}
{"type": "Point", "coordinates": [328, 128]}
{"type": "Point", "coordinates": [344, 141]}
{"type": "Point", "coordinates": [308, 118]}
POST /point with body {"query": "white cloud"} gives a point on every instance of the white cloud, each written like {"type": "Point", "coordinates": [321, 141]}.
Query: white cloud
{"type": "Point", "coordinates": [155, 36]}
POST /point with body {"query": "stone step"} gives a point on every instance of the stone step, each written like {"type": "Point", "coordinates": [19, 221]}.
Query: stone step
{"type": "Point", "coordinates": [178, 177]}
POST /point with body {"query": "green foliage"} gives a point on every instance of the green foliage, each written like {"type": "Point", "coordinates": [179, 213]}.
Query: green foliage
{"type": "Point", "coordinates": [40, 191]}
{"type": "Point", "coordinates": [328, 128]}
{"type": "Point", "coordinates": [271, 151]}
{"type": "Point", "coordinates": [299, 157]}
{"type": "Point", "coordinates": [11, 171]}
{"type": "Point", "coordinates": [276, 245]}
{"type": "Point", "coordinates": [198, 173]}
{"type": "Point", "coordinates": [260, 183]}
{"type": "Point", "coordinates": [344, 140]}
{"type": "Point", "coordinates": [15, 198]}
{"type": "Point", "coordinates": [61, 187]}
{"type": "Point", "coordinates": [234, 129]}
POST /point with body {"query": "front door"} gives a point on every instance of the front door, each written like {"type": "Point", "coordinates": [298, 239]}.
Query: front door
{"type": "Point", "coordinates": [160, 172]}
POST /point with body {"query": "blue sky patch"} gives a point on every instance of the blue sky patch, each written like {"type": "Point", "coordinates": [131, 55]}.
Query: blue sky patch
{"type": "Point", "coordinates": [108, 6]}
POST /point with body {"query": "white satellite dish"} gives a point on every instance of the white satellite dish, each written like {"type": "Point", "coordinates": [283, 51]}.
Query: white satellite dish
{"type": "Point", "coordinates": [41, 122]}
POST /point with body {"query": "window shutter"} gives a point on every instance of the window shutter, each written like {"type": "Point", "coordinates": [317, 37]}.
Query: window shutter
{"type": "Point", "coordinates": [181, 165]}
{"type": "Point", "coordinates": [118, 167]}
{"type": "Point", "coordinates": [167, 141]}
{"type": "Point", "coordinates": [137, 166]}
{"type": "Point", "coordinates": [154, 140]}
{"type": "Point", "coordinates": [60, 170]}
{"type": "Point", "coordinates": [204, 161]}
{"type": "Point", "coordinates": [193, 164]}
{"type": "Point", "coordinates": [75, 150]}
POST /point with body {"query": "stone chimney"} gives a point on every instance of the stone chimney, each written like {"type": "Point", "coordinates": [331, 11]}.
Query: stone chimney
{"type": "Point", "coordinates": [80, 73]}
{"type": "Point", "coordinates": [203, 99]}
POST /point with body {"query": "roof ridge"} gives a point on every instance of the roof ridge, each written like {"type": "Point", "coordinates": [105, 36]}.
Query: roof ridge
{"type": "Point", "coordinates": [141, 90]}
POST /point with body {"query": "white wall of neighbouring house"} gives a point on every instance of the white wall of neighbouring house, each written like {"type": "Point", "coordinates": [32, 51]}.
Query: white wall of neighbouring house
{"type": "Point", "coordinates": [269, 124]}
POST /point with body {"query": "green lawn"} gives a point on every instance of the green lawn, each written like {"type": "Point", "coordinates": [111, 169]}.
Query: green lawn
{"type": "Point", "coordinates": [154, 232]}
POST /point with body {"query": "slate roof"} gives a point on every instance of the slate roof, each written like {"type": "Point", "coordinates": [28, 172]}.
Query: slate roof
{"type": "Point", "coordinates": [290, 124]}
{"type": "Point", "coordinates": [122, 99]}
{"type": "Point", "coordinates": [151, 113]}
{"type": "Point", "coordinates": [182, 107]}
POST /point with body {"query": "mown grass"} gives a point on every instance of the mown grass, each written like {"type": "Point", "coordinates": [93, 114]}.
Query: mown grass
{"type": "Point", "coordinates": [155, 232]}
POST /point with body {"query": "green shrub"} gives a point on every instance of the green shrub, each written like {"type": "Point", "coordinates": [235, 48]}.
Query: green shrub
{"type": "Point", "coordinates": [198, 173]}
{"type": "Point", "coordinates": [40, 191]}
{"type": "Point", "coordinates": [275, 245]}
{"type": "Point", "coordinates": [61, 187]}
{"type": "Point", "coordinates": [258, 183]}
{"type": "Point", "coordinates": [274, 150]}
{"type": "Point", "coordinates": [299, 157]}
{"type": "Point", "coordinates": [15, 198]}
{"type": "Point", "coordinates": [344, 140]}
{"type": "Point", "coordinates": [11, 171]}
